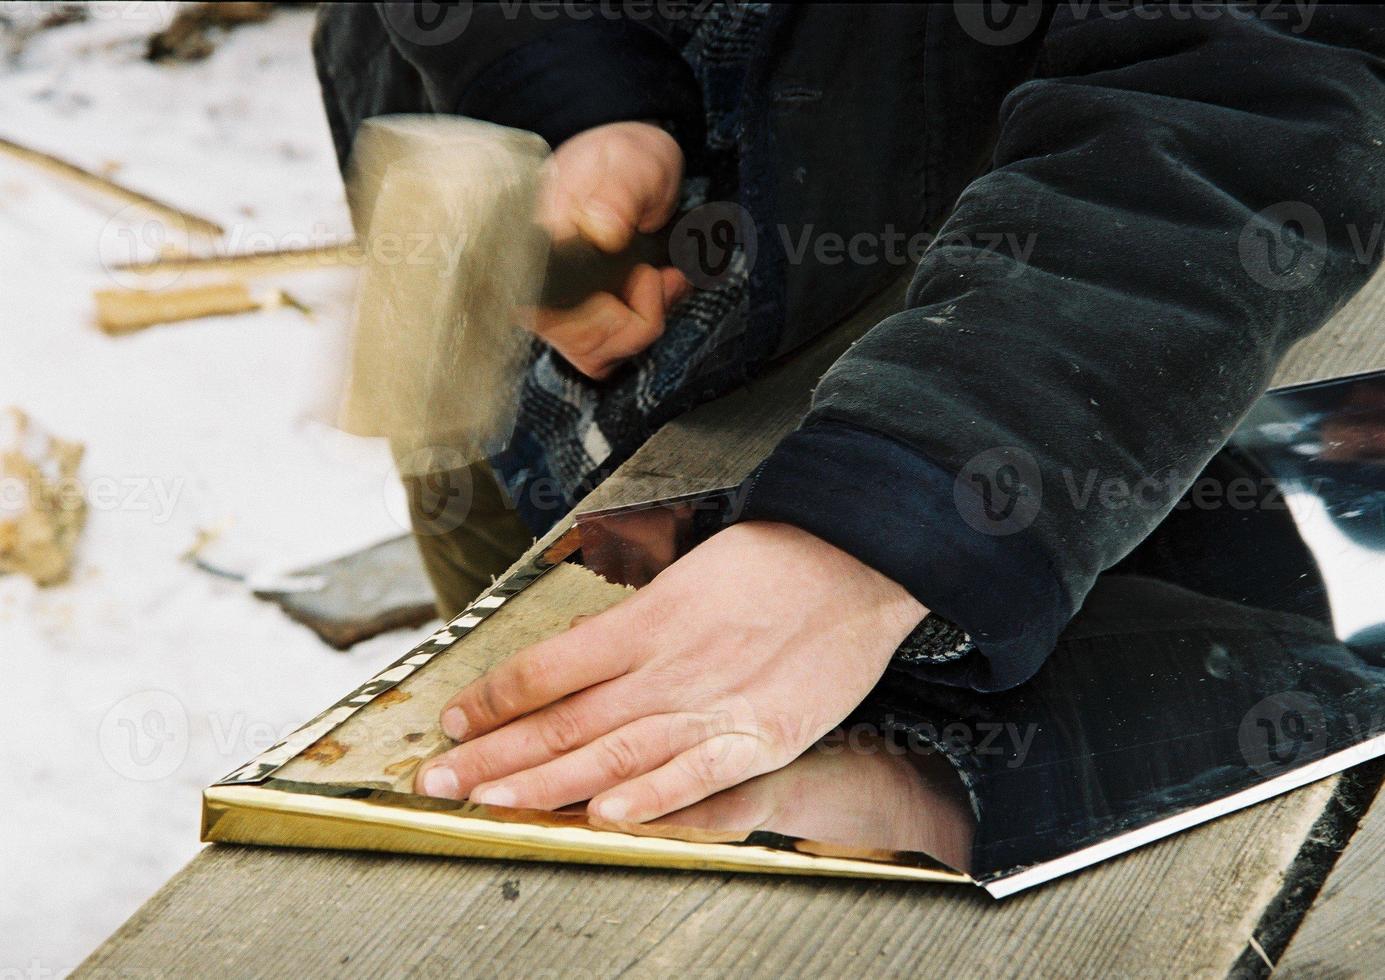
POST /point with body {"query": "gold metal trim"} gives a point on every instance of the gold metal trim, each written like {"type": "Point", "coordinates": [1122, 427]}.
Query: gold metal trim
{"type": "Point", "coordinates": [262, 815]}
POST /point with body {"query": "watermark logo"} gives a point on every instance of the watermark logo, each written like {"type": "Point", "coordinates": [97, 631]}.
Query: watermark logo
{"type": "Point", "coordinates": [997, 23]}
{"type": "Point", "coordinates": [145, 736]}
{"type": "Point", "coordinates": [1284, 730]}
{"type": "Point", "coordinates": [705, 243]}
{"type": "Point", "coordinates": [1284, 246]}
{"type": "Point", "coordinates": [427, 22]}
{"type": "Point", "coordinates": [131, 237]}
{"type": "Point", "coordinates": [439, 487]}
{"type": "Point", "coordinates": [999, 491]}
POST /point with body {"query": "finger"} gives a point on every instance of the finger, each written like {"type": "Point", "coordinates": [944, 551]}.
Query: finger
{"type": "Point", "coordinates": [579, 333]}
{"type": "Point", "coordinates": [639, 193]}
{"type": "Point", "coordinates": [614, 758]}
{"type": "Point", "coordinates": [537, 676]}
{"type": "Point", "coordinates": [640, 325]}
{"type": "Point", "coordinates": [741, 808]}
{"type": "Point", "coordinates": [709, 767]}
{"type": "Point", "coordinates": [533, 740]}
{"type": "Point", "coordinates": [676, 286]}
{"type": "Point", "coordinates": [603, 330]}
{"type": "Point", "coordinates": [608, 226]}
{"type": "Point", "coordinates": [644, 294]}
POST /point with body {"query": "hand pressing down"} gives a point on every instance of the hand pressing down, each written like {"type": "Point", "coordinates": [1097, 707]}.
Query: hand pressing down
{"type": "Point", "coordinates": [728, 665]}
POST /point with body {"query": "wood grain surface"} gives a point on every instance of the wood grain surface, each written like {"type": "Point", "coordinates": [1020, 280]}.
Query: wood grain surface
{"type": "Point", "coordinates": [1343, 934]}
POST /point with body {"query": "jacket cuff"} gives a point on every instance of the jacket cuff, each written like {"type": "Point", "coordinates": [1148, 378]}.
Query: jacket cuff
{"type": "Point", "coordinates": [587, 74]}
{"type": "Point", "coordinates": [898, 512]}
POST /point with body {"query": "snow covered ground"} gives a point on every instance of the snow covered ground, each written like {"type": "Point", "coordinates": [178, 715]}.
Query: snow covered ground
{"type": "Point", "coordinates": [144, 679]}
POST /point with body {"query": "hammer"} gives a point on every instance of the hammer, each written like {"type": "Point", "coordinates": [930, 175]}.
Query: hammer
{"type": "Point", "coordinates": [455, 264]}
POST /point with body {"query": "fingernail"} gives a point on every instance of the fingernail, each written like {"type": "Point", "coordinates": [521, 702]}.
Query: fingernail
{"type": "Point", "coordinates": [494, 796]}
{"type": "Point", "coordinates": [442, 782]}
{"type": "Point", "coordinates": [616, 809]}
{"type": "Point", "coordinates": [602, 218]}
{"type": "Point", "coordinates": [454, 723]}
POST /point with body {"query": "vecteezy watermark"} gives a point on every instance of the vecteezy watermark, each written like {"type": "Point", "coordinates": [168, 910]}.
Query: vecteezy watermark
{"type": "Point", "coordinates": [1155, 492]}
{"type": "Point", "coordinates": [1283, 731]}
{"type": "Point", "coordinates": [891, 246]}
{"type": "Point", "coordinates": [438, 485]}
{"type": "Point", "coordinates": [127, 494]}
{"type": "Point", "coordinates": [718, 239]}
{"type": "Point", "coordinates": [709, 242]}
{"type": "Point", "coordinates": [145, 736]}
{"type": "Point", "coordinates": [427, 22]}
{"type": "Point", "coordinates": [110, 11]}
{"type": "Point", "coordinates": [1009, 740]}
{"type": "Point", "coordinates": [138, 250]}
{"type": "Point", "coordinates": [37, 969]}
{"type": "Point", "coordinates": [1284, 246]}
{"type": "Point", "coordinates": [999, 491]}
{"type": "Point", "coordinates": [430, 23]}
{"type": "Point", "coordinates": [997, 22]}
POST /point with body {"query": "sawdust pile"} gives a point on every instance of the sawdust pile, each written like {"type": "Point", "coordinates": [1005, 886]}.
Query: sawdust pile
{"type": "Point", "coordinates": [42, 504]}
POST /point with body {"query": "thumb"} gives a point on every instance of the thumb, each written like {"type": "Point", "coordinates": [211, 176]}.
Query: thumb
{"type": "Point", "coordinates": [609, 221]}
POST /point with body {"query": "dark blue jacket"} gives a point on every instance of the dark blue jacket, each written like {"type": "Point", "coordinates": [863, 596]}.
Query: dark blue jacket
{"type": "Point", "coordinates": [1137, 209]}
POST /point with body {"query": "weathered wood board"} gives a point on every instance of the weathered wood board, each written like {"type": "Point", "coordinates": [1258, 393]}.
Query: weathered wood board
{"type": "Point", "coordinates": [1343, 934]}
{"type": "Point", "coordinates": [1186, 906]}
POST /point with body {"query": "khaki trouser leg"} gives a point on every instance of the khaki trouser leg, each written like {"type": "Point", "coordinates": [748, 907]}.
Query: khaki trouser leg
{"type": "Point", "coordinates": [466, 530]}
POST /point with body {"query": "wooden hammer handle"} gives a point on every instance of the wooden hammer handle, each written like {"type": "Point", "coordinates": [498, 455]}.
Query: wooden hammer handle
{"type": "Point", "coordinates": [577, 268]}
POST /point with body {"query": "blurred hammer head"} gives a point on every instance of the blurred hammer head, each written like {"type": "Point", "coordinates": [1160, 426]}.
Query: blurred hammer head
{"type": "Point", "coordinates": [445, 208]}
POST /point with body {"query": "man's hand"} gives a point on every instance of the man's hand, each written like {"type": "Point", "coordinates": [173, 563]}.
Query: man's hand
{"type": "Point", "coordinates": [728, 665]}
{"type": "Point", "coordinates": [607, 184]}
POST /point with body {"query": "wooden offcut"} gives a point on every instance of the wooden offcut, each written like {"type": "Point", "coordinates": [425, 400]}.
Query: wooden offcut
{"type": "Point", "coordinates": [81, 177]}
{"type": "Point", "coordinates": [249, 265]}
{"type": "Point", "coordinates": [122, 311]}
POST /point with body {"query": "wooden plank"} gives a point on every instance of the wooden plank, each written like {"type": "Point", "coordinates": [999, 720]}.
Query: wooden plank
{"type": "Point", "coordinates": [1181, 907]}
{"type": "Point", "coordinates": [1341, 936]}
{"type": "Point", "coordinates": [1188, 905]}
{"type": "Point", "coordinates": [1352, 341]}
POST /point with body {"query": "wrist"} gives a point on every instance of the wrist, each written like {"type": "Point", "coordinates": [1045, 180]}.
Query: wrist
{"type": "Point", "coordinates": [833, 574]}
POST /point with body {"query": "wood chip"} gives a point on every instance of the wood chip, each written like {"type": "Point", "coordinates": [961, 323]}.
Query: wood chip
{"type": "Point", "coordinates": [42, 504]}
{"type": "Point", "coordinates": [82, 177]}
{"type": "Point", "coordinates": [122, 311]}
{"type": "Point", "coordinates": [250, 264]}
